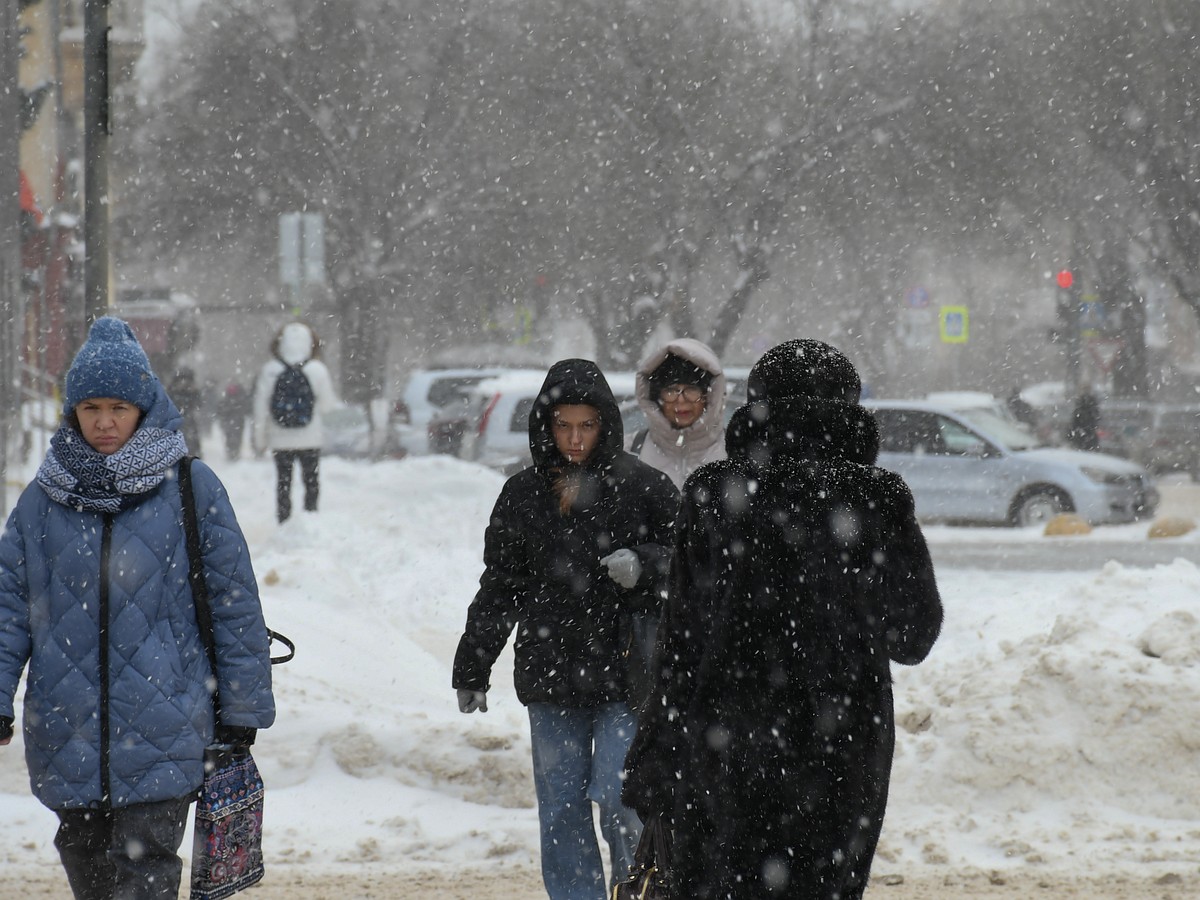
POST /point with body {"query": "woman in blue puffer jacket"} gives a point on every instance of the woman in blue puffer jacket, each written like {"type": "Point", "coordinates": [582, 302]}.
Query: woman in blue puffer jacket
{"type": "Point", "coordinates": [95, 600]}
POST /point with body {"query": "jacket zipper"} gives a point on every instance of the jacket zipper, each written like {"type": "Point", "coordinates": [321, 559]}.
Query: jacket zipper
{"type": "Point", "coordinates": [105, 549]}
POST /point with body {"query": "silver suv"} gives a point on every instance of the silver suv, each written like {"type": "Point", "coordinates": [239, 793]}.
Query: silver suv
{"type": "Point", "coordinates": [430, 416]}
{"type": "Point", "coordinates": [972, 465]}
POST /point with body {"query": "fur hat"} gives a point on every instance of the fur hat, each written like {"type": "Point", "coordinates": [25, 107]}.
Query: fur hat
{"type": "Point", "coordinates": [804, 368]}
{"type": "Point", "coordinates": [111, 363]}
{"type": "Point", "coordinates": [677, 370]}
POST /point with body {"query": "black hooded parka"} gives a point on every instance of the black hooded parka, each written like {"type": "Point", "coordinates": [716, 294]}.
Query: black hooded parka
{"type": "Point", "coordinates": [542, 572]}
{"type": "Point", "coordinates": [799, 572]}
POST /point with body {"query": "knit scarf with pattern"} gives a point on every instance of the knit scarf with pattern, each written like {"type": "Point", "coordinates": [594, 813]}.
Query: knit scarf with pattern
{"type": "Point", "coordinates": [76, 475]}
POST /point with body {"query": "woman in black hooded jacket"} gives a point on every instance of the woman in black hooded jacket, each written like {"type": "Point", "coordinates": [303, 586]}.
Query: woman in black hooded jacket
{"type": "Point", "coordinates": [578, 543]}
{"type": "Point", "coordinates": [799, 572]}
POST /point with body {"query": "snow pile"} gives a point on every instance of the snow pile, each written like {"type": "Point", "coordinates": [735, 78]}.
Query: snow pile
{"type": "Point", "coordinates": [1057, 721]}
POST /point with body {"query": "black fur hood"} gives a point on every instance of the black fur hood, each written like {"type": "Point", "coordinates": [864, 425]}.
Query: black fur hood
{"type": "Point", "coordinates": [574, 381]}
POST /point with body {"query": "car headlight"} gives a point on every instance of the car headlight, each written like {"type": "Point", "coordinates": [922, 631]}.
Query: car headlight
{"type": "Point", "coordinates": [1102, 476]}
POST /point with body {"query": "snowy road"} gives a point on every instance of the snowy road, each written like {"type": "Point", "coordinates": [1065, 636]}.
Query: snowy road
{"type": "Point", "coordinates": [1059, 555]}
{"type": "Point", "coordinates": [1024, 550]}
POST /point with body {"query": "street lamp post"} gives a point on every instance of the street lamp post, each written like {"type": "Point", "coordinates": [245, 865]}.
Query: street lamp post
{"type": "Point", "coordinates": [97, 128]}
{"type": "Point", "coordinates": [10, 227]}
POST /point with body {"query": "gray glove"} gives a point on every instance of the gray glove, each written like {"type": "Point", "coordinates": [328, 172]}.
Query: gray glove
{"type": "Point", "coordinates": [469, 701]}
{"type": "Point", "coordinates": [624, 567]}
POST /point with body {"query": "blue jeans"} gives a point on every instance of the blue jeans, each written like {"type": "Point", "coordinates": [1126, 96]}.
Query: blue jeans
{"type": "Point", "coordinates": [578, 759]}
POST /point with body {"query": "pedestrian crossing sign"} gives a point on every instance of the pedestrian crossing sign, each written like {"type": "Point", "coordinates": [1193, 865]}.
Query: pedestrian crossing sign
{"type": "Point", "coordinates": [954, 322]}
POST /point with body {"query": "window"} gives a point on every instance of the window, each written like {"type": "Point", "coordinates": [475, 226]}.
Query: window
{"type": "Point", "coordinates": [908, 431]}
{"type": "Point", "coordinates": [446, 391]}
{"type": "Point", "coordinates": [958, 440]}
{"type": "Point", "coordinates": [520, 416]}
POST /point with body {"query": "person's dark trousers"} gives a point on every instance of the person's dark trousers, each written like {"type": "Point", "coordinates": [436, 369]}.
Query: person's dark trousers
{"type": "Point", "coordinates": [310, 463]}
{"type": "Point", "coordinates": [233, 432]}
{"type": "Point", "coordinates": [130, 853]}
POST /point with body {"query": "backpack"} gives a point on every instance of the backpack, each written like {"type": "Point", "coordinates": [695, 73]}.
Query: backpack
{"type": "Point", "coordinates": [292, 400]}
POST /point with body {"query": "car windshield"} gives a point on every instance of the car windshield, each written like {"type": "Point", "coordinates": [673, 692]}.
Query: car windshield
{"type": "Point", "coordinates": [1011, 434]}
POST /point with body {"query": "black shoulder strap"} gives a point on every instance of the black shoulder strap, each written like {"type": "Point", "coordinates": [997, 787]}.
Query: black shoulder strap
{"type": "Point", "coordinates": [639, 441]}
{"type": "Point", "coordinates": [191, 530]}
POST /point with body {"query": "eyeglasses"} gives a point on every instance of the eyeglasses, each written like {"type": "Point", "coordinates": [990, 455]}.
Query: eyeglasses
{"type": "Point", "coordinates": [688, 392]}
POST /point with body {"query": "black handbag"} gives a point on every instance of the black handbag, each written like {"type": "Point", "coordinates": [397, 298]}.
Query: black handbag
{"type": "Point", "coordinates": [648, 876]}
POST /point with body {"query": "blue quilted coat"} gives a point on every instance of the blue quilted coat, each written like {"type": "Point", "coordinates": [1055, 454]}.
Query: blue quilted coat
{"type": "Point", "coordinates": [99, 608]}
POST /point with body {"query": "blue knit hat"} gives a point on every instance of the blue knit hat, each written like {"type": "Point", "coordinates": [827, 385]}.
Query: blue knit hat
{"type": "Point", "coordinates": [111, 364]}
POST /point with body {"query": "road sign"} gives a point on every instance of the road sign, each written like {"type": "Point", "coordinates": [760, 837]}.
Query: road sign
{"type": "Point", "coordinates": [1091, 316]}
{"type": "Point", "coordinates": [916, 297]}
{"type": "Point", "coordinates": [955, 324]}
{"type": "Point", "coordinates": [916, 328]}
{"type": "Point", "coordinates": [289, 249]}
{"type": "Point", "coordinates": [301, 249]}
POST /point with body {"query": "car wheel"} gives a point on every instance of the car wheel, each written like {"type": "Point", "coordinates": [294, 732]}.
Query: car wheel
{"type": "Point", "coordinates": [1038, 508]}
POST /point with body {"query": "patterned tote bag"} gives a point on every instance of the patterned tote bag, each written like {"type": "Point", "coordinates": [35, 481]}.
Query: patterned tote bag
{"type": "Point", "coordinates": [227, 851]}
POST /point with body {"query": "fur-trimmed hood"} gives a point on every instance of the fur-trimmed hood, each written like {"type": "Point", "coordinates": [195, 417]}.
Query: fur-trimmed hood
{"type": "Point", "coordinates": [707, 429]}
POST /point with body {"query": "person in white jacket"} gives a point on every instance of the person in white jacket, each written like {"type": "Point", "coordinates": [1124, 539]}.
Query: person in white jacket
{"type": "Point", "coordinates": [681, 390]}
{"type": "Point", "coordinates": [295, 435]}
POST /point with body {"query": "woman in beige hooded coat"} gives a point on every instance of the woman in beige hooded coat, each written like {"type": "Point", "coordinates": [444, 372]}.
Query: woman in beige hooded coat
{"type": "Point", "coordinates": [681, 390]}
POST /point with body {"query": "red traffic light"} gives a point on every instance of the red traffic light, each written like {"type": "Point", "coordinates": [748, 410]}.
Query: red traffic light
{"type": "Point", "coordinates": [1065, 279]}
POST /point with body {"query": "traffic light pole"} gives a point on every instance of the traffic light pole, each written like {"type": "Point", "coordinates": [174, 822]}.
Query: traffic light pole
{"type": "Point", "coordinates": [1068, 316]}
{"type": "Point", "coordinates": [96, 131]}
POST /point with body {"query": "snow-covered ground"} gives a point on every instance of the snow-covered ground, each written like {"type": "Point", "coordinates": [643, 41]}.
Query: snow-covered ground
{"type": "Point", "coordinates": [1057, 721]}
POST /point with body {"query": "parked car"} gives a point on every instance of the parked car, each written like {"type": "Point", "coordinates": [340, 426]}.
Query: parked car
{"type": "Point", "coordinates": [498, 413]}
{"type": "Point", "coordinates": [346, 432]}
{"type": "Point", "coordinates": [735, 382]}
{"type": "Point", "coordinates": [969, 400]}
{"type": "Point", "coordinates": [1125, 428]}
{"type": "Point", "coordinates": [1171, 443]}
{"type": "Point", "coordinates": [432, 413]}
{"type": "Point", "coordinates": [976, 466]}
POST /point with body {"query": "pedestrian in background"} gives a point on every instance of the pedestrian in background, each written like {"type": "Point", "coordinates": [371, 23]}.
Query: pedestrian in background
{"type": "Point", "coordinates": [186, 395]}
{"type": "Point", "coordinates": [577, 543]}
{"type": "Point", "coordinates": [95, 601]}
{"type": "Point", "coordinates": [1084, 430]}
{"type": "Point", "coordinates": [232, 410]}
{"type": "Point", "coordinates": [681, 390]}
{"type": "Point", "coordinates": [799, 572]}
{"type": "Point", "coordinates": [294, 389]}
{"type": "Point", "coordinates": [1022, 410]}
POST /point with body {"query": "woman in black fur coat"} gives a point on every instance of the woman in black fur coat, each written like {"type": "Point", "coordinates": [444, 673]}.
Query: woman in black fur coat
{"type": "Point", "coordinates": [799, 572]}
